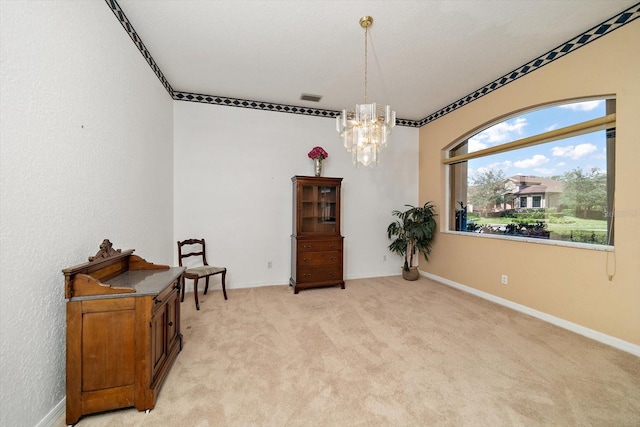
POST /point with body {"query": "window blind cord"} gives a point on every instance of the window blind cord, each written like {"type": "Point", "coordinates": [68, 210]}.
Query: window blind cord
{"type": "Point", "coordinates": [610, 275]}
{"type": "Point", "coordinates": [611, 272]}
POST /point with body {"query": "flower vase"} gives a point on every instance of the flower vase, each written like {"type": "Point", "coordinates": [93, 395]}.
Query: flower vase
{"type": "Point", "coordinates": [318, 166]}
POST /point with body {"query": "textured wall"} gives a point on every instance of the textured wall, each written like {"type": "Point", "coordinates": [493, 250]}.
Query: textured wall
{"type": "Point", "coordinates": [243, 161]}
{"type": "Point", "coordinates": [86, 149]}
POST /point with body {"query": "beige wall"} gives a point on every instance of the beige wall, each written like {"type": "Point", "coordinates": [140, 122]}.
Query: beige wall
{"type": "Point", "coordinates": [565, 282]}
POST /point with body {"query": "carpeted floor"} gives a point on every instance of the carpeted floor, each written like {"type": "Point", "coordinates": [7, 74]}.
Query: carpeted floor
{"type": "Point", "coordinates": [383, 352]}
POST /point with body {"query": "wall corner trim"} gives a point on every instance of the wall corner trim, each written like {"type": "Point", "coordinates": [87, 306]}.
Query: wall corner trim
{"type": "Point", "coordinates": [565, 324]}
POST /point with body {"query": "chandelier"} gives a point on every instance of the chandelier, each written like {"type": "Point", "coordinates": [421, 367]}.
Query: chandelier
{"type": "Point", "coordinates": [364, 130]}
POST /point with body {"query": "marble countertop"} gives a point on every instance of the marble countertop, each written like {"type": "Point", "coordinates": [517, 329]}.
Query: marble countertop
{"type": "Point", "coordinates": [143, 282]}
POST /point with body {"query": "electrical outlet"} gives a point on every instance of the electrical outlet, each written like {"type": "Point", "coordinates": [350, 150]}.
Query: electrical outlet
{"type": "Point", "coordinates": [384, 258]}
{"type": "Point", "coordinates": [505, 279]}
{"type": "Point", "coordinates": [269, 264]}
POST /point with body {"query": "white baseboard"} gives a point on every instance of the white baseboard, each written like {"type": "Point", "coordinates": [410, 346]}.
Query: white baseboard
{"type": "Point", "coordinates": [283, 282]}
{"type": "Point", "coordinates": [53, 415]}
{"type": "Point", "coordinates": [573, 327]}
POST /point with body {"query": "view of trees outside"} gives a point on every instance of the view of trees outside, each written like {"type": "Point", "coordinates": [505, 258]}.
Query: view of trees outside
{"type": "Point", "coordinates": [488, 190]}
{"type": "Point", "coordinates": [555, 190]}
{"type": "Point", "coordinates": [585, 193]}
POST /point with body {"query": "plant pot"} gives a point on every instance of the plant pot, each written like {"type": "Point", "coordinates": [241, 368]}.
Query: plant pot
{"type": "Point", "coordinates": [412, 274]}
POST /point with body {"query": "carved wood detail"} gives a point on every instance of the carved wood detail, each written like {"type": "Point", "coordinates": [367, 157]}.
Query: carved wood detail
{"type": "Point", "coordinates": [106, 251]}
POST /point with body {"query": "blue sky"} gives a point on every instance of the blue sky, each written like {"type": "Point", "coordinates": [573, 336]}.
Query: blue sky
{"type": "Point", "coordinates": [545, 160]}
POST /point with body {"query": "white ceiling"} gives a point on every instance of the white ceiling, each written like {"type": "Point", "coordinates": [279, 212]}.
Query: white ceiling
{"type": "Point", "coordinates": [423, 54]}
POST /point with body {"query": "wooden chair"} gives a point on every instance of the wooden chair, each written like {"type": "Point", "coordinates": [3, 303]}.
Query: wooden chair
{"type": "Point", "coordinates": [195, 273]}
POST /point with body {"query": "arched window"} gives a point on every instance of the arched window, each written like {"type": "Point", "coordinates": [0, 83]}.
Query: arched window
{"type": "Point", "coordinates": [546, 173]}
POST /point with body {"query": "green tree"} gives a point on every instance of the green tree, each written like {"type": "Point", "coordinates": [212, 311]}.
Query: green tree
{"type": "Point", "coordinates": [585, 192]}
{"type": "Point", "coordinates": [487, 189]}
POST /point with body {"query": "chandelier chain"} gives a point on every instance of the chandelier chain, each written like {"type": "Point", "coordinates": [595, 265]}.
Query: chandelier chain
{"type": "Point", "coordinates": [366, 30]}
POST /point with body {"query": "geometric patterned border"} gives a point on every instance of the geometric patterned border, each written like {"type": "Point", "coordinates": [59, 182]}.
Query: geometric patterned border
{"type": "Point", "coordinates": [268, 106]}
{"type": "Point", "coordinates": [594, 33]}
{"type": "Point", "coordinates": [126, 24]}
{"type": "Point", "coordinates": [256, 105]}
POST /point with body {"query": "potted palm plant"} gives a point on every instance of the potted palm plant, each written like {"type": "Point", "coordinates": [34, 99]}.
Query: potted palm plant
{"type": "Point", "coordinates": [412, 234]}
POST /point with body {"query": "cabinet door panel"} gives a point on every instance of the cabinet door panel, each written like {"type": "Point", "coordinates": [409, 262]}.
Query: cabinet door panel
{"type": "Point", "coordinates": [317, 206]}
{"type": "Point", "coordinates": [108, 353]}
{"type": "Point", "coordinates": [158, 340]}
{"type": "Point", "coordinates": [173, 310]}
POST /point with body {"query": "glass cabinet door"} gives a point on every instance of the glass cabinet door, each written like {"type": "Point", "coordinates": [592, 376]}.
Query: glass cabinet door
{"type": "Point", "coordinates": [318, 209]}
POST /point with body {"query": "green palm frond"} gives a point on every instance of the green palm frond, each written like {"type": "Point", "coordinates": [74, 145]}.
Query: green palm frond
{"type": "Point", "coordinates": [412, 232]}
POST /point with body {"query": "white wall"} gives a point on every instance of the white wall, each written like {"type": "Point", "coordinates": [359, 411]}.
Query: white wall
{"type": "Point", "coordinates": [232, 186]}
{"type": "Point", "coordinates": [85, 154]}
{"type": "Point", "coordinates": [86, 136]}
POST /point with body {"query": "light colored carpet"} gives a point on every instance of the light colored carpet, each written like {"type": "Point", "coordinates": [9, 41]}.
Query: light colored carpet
{"type": "Point", "coordinates": [383, 352]}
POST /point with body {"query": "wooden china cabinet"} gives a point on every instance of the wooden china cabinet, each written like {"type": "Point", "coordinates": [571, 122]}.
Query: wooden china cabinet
{"type": "Point", "coordinates": [316, 243]}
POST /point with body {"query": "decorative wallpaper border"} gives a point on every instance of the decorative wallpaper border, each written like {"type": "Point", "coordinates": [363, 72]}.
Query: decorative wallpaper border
{"type": "Point", "coordinates": [594, 33]}
{"type": "Point", "coordinates": [267, 106]}
{"type": "Point", "coordinates": [256, 105]}
{"type": "Point", "coordinates": [126, 24]}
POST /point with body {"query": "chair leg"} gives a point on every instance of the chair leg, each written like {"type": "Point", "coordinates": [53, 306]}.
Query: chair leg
{"type": "Point", "coordinates": [184, 290]}
{"type": "Point", "coordinates": [206, 286]}
{"type": "Point", "coordinates": [224, 288]}
{"type": "Point", "coordinates": [195, 292]}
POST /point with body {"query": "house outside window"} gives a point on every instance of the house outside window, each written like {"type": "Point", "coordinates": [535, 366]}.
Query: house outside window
{"type": "Point", "coordinates": [546, 173]}
{"type": "Point", "coordinates": [537, 201]}
{"type": "Point", "coordinates": [523, 202]}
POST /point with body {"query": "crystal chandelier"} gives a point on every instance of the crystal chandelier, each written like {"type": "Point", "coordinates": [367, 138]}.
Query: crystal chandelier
{"type": "Point", "coordinates": [364, 130]}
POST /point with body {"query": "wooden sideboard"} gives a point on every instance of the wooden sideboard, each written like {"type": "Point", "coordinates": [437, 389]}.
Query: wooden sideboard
{"type": "Point", "coordinates": [316, 243]}
{"type": "Point", "coordinates": [123, 332]}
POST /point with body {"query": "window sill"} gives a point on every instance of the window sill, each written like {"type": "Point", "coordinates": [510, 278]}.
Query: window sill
{"type": "Point", "coordinates": [577, 245]}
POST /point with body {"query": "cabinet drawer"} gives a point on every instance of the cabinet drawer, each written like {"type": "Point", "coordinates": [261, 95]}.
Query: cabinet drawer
{"type": "Point", "coordinates": [319, 245]}
{"type": "Point", "coordinates": [320, 258]}
{"type": "Point", "coordinates": [321, 273]}
{"type": "Point", "coordinates": [164, 296]}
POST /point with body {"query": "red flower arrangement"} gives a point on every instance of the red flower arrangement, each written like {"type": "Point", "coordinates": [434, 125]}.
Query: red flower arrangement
{"type": "Point", "coordinates": [318, 153]}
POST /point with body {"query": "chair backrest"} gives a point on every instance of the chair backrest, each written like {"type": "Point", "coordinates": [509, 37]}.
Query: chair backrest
{"type": "Point", "coordinates": [197, 249]}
